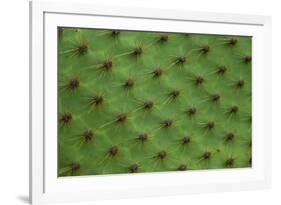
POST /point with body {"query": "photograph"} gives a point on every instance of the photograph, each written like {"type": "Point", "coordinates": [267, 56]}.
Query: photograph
{"type": "Point", "coordinates": [142, 101]}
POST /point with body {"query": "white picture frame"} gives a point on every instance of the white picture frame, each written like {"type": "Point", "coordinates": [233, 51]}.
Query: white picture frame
{"type": "Point", "coordinates": [46, 187]}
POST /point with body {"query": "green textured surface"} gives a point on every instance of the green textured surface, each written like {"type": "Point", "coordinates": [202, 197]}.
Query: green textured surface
{"type": "Point", "coordinates": [87, 131]}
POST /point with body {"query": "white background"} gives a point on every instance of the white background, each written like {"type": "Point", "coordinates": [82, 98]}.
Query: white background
{"type": "Point", "coordinates": [14, 100]}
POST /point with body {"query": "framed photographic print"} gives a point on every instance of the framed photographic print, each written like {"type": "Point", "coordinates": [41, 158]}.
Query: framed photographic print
{"type": "Point", "coordinates": [128, 102]}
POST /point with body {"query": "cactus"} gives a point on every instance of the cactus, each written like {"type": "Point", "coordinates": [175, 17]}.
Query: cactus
{"type": "Point", "coordinates": [133, 102]}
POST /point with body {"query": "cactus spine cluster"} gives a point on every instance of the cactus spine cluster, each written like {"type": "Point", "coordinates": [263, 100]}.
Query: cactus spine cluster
{"type": "Point", "coordinates": [132, 101]}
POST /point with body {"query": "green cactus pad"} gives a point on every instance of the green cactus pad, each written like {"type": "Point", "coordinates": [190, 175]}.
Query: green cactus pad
{"type": "Point", "coordinates": [133, 102]}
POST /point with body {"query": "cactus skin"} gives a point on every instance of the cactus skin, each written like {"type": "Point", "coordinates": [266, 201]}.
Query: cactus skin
{"type": "Point", "coordinates": [133, 102]}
